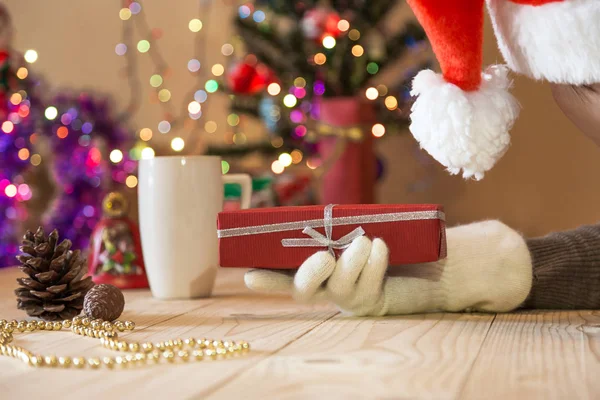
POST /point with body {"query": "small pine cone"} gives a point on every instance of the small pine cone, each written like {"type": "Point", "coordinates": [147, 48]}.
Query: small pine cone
{"type": "Point", "coordinates": [104, 302]}
{"type": "Point", "coordinates": [54, 288]}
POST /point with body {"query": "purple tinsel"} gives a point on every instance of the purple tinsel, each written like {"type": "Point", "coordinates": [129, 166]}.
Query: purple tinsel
{"type": "Point", "coordinates": [82, 135]}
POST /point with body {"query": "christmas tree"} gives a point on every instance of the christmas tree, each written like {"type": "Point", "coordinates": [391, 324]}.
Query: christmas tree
{"type": "Point", "coordinates": [328, 77]}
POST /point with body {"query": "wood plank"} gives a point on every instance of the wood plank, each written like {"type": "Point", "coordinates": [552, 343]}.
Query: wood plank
{"type": "Point", "coordinates": [539, 355]}
{"type": "Point", "coordinates": [268, 323]}
{"type": "Point", "coordinates": [420, 356]}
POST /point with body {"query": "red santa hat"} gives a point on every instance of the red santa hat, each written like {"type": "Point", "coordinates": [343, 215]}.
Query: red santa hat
{"type": "Point", "coordinates": [463, 116]}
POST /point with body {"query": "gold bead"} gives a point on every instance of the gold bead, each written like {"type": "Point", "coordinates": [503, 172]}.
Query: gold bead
{"type": "Point", "coordinates": [96, 324]}
{"type": "Point", "coordinates": [48, 326]}
{"type": "Point", "coordinates": [160, 346]}
{"type": "Point", "coordinates": [183, 354]}
{"type": "Point", "coordinates": [121, 361]}
{"type": "Point", "coordinates": [67, 324]}
{"type": "Point", "coordinates": [245, 345]}
{"type": "Point", "coordinates": [14, 323]}
{"type": "Point", "coordinates": [169, 344]}
{"type": "Point", "coordinates": [151, 357]}
{"type": "Point", "coordinates": [22, 326]}
{"type": "Point", "coordinates": [109, 362]}
{"type": "Point", "coordinates": [65, 362]}
{"type": "Point", "coordinates": [177, 344]}
{"type": "Point", "coordinates": [3, 322]}
{"type": "Point", "coordinates": [210, 353]}
{"type": "Point", "coordinates": [120, 326]}
{"type": "Point", "coordinates": [94, 363]}
{"type": "Point", "coordinates": [77, 321]}
{"type": "Point", "coordinates": [169, 356]}
{"type": "Point", "coordinates": [36, 361]}
{"type": "Point", "coordinates": [107, 326]}
{"type": "Point", "coordinates": [147, 347]}
{"type": "Point", "coordinates": [31, 326]}
{"type": "Point", "coordinates": [85, 321]}
{"type": "Point", "coordinates": [79, 362]}
{"type": "Point", "coordinates": [134, 347]}
{"type": "Point", "coordinates": [191, 342]}
{"type": "Point", "coordinates": [140, 357]}
{"type": "Point", "coordinates": [122, 346]}
{"type": "Point", "coordinates": [198, 354]}
{"type": "Point", "coordinates": [130, 358]}
{"type": "Point", "coordinates": [217, 343]}
{"type": "Point", "coordinates": [51, 361]}
{"type": "Point", "coordinates": [57, 326]}
{"type": "Point", "coordinates": [129, 325]}
{"type": "Point", "coordinates": [9, 329]}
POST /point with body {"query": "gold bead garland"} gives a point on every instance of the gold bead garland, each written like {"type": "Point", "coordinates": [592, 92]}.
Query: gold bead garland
{"type": "Point", "coordinates": [139, 353]}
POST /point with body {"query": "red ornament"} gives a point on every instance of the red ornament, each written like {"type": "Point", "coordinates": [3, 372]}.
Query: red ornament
{"type": "Point", "coordinates": [115, 249]}
{"type": "Point", "coordinates": [249, 79]}
{"type": "Point", "coordinates": [320, 22]}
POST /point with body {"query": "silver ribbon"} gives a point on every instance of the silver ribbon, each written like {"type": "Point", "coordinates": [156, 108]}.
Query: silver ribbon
{"type": "Point", "coordinates": [320, 240]}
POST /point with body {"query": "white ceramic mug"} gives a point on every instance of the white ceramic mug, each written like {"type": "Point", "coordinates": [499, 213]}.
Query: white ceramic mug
{"type": "Point", "coordinates": [179, 199]}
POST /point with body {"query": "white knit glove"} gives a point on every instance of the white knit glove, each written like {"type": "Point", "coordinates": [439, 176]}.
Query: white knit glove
{"type": "Point", "coordinates": [488, 268]}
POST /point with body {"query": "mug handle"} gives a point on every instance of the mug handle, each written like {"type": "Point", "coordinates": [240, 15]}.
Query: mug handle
{"type": "Point", "coordinates": [245, 181]}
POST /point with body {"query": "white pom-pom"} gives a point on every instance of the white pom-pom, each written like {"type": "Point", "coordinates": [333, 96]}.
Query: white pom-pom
{"type": "Point", "coordinates": [465, 131]}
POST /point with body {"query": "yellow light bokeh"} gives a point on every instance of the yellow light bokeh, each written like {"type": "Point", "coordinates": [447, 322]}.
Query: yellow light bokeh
{"type": "Point", "coordinates": [16, 99]}
{"type": "Point", "coordinates": [296, 156]}
{"type": "Point", "coordinates": [290, 100]}
{"type": "Point", "coordinates": [35, 160]}
{"type": "Point", "coordinates": [31, 56]}
{"type": "Point", "coordinates": [124, 14]}
{"type": "Point", "coordinates": [329, 42]}
{"type": "Point", "coordinates": [195, 25]}
{"type": "Point", "coordinates": [320, 59]}
{"type": "Point", "coordinates": [285, 159]}
{"type": "Point", "coordinates": [22, 73]}
{"type": "Point", "coordinates": [23, 154]}
{"type": "Point", "coordinates": [210, 126]}
{"type": "Point", "coordinates": [300, 82]}
{"type": "Point", "coordinates": [116, 156]}
{"type": "Point", "coordinates": [354, 34]}
{"type": "Point", "coordinates": [131, 181]}
{"type": "Point", "coordinates": [372, 93]}
{"type": "Point", "coordinates": [239, 138]}
{"type": "Point", "coordinates": [274, 89]}
{"type": "Point", "coordinates": [164, 95]}
{"type": "Point", "coordinates": [357, 50]}
{"type": "Point", "coordinates": [146, 134]}
{"type": "Point", "coordinates": [277, 167]}
{"type": "Point", "coordinates": [391, 103]}
{"type": "Point", "coordinates": [7, 127]}
{"type": "Point", "coordinates": [378, 130]}
{"type": "Point", "coordinates": [177, 144]}
{"type": "Point", "coordinates": [343, 25]}
{"type": "Point", "coordinates": [217, 70]}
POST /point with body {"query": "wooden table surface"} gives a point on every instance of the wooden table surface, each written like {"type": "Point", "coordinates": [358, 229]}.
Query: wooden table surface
{"type": "Point", "coordinates": [312, 351]}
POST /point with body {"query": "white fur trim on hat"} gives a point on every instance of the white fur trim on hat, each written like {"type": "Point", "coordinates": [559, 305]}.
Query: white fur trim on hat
{"type": "Point", "coordinates": [558, 42]}
{"type": "Point", "coordinates": [463, 130]}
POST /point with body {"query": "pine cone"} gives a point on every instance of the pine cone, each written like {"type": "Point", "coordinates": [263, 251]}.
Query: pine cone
{"type": "Point", "coordinates": [54, 289]}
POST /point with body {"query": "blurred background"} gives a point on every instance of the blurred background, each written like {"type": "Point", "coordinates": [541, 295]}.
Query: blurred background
{"type": "Point", "coordinates": [298, 93]}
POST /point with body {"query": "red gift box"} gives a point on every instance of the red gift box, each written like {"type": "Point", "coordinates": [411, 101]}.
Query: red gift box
{"type": "Point", "coordinates": [283, 237]}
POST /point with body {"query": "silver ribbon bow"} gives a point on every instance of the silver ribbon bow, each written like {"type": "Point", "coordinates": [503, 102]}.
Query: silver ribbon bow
{"type": "Point", "coordinates": [320, 240]}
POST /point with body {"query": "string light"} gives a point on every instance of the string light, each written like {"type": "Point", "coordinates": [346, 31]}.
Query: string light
{"type": "Point", "coordinates": [131, 181]}
{"type": "Point", "coordinates": [35, 160]}
{"type": "Point", "coordinates": [273, 89]}
{"type": "Point", "coordinates": [285, 159]}
{"type": "Point", "coordinates": [177, 144]}
{"type": "Point", "coordinates": [22, 73]}
{"type": "Point", "coordinates": [227, 49]}
{"type": "Point", "coordinates": [371, 93]}
{"type": "Point", "coordinates": [320, 58]}
{"type": "Point", "coordinates": [290, 100]}
{"type": "Point", "coordinates": [329, 42]}
{"type": "Point", "coordinates": [343, 25]}
{"type": "Point", "coordinates": [277, 167]}
{"type": "Point", "coordinates": [116, 156]}
{"type": "Point", "coordinates": [143, 46]}
{"type": "Point", "coordinates": [225, 167]}
{"type": "Point", "coordinates": [391, 103]}
{"type": "Point", "coordinates": [124, 14]}
{"type": "Point", "coordinates": [194, 107]}
{"type": "Point", "coordinates": [164, 95]}
{"type": "Point", "coordinates": [217, 70]}
{"type": "Point", "coordinates": [156, 80]}
{"type": "Point", "coordinates": [193, 65]}
{"type": "Point", "coordinates": [378, 130]}
{"type": "Point", "coordinates": [210, 126]}
{"type": "Point", "coordinates": [164, 126]}
{"type": "Point", "coordinates": [147, 153]}
{"type": "Point", "coordinates": [195, 25]}
{"type": "Point", "coordinates": [30, 56]}
{"type": "Point", "coordinates": [354, 34]}
{"type": "Point", "coordinates": [146, 134]}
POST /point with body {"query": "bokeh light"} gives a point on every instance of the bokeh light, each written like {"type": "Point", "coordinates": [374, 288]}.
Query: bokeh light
{"type": "Point", "coordinates": [211, 86]}
{"type": "Point", "coordinates": [225, 167]}
{"type": "Point", "coordinates": [10, 190]}
{"type": "Point", "coordinates": [164, 126]}
{"type": "Point", "coordinates": [343, 25]}
{"type": "Point", "coordinates": [210, 126]}
{"type": "Point", "coordinates": [156, 80]}
{"type": "Point", "coordinates": [131, 181]}
{"type": "Point", "coordinates": [273, 89]}
{"type": "Point", "coordinates": [233, 119]}
{"type": "Point", "coordinates": [147, 153]}
{"type": "Point", "coordinates": [372, 93]}
{"type": "Point", "coordinates": [22, 73]}
{"type": "Point", "coordinates": [372, 68]}
{"type": "Point", "coordinates": [62, 132]}
{"type": "Point", "coordinates": [200, 96]}
{"type": "Point", "coordinates": [135, 7]}
{"type": "Point", "coordinates": [329, 42]}
{"type": "Point", "coordinates": [194, 107]}
{"type": "Point", "coordinates": [320, 59]}
{"type": "Point", "coordinates": [51, 113]}
{"type": "Point", "coordinates": [227, 49]}
{"type": "Point", "coordinates": [7, 127]}
{"type": "Point", "coordinates": [296, 156]}
{"type": "Point", "coordinates": [31, 56]}
{"type": "Point", "coordinates": [258, 16]}
{"type": "Point", "coordinates": [391, 103]}
{"type": "Point", "coordinates": [285, 159]}
{"type": "Point", "coordinates": [217, 70]}
{"type": "Point", "coordinates": [290, 100]}
{"type": "Point", "coordinates": [143, 46]}
{"type": "Point", "coordinates": [116, 156]}
{"type": "Point", "coordinates": [378, 130]}
{"type": "Point", "coordinates": [35, 160]}
{"type": "Point", "coordinates": [146, 134]}
{"type": "Point", "coordinates": [23, 154]}
{"type": "Point", "coordinates": [195, 25]}
{"type": "Point", "coordinates": [277, 142]}
{"type": "Point", "coordinates": [357, 50]}
{"type": "Point", "coordinates": [354, 34]}
{"type": "Point", "coordinates": [164, 95]}
{"type": "Point", "coordinates": [124, 14]}
{"type": "Point", "coordinates": [177, 144]}
{"type": "Point", "coordinates": [300, 82]}
{"type": "Point", "coordinates": [193, 65]}
{"type": "Point", "coordinates": [277, 167]}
